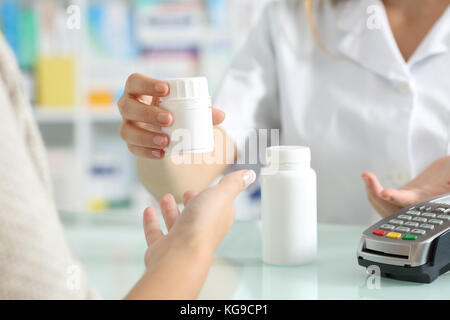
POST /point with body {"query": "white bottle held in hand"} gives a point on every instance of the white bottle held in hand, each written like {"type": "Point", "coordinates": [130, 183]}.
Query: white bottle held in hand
{"type": "Point", "coordinates": [288, 199]}
{"type": "Point", "coordinates": [190, 104]}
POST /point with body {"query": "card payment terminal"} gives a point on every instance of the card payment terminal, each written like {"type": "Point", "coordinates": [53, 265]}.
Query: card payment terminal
{"type": "Point", "coordinates": [412, 244]}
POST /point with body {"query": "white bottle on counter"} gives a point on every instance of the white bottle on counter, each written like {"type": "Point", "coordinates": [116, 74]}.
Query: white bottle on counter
{"type": "Point", "coordinates": [288, 200]}
{"type": "Point", "coordinates": [190, 104]}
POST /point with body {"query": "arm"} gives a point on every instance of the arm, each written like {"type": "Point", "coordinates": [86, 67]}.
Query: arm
{"type": "Point", "coordinates": [164, 176]}
{"type": "Point", "coordinates": [178, 263]}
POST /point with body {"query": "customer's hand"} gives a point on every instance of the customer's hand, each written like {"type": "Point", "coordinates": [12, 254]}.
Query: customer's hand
{"type": "Point", "coordinates": [433, 181]}
{"type": "Point", "coordinates": [178, 262]}
{"type": "Point", "coordinates": [143, 118]}
{"type": "Point", "coordinates": [205, 220]}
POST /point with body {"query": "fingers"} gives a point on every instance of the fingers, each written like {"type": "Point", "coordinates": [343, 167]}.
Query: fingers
{"type": "Point", "coordinates": [372, 182]}
{"type": "Point", "coordinates": [188, 196]}
{"type": "Point", "coordinates": [143, 152]}
{"type": "Point", "coordinates": [169, 210]}
{"type": "Point", "coordinates": [151, 226]}
{"type": "Point", "coordinates": [398, 197]}
{"type": "Point", "coordinates": [374, 191]}
{"type": "Point", "coordinates": [138, 84]}
{"type": "Point", "coordinates": [134, 110]}
{"type": "Point", "coordinates": [218, 116]}
{"type": "Point", "coordinates": [137, 136]}
{"type": "Point", "coordinates": [234, 183]}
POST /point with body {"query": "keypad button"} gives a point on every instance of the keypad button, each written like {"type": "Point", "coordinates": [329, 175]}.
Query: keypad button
{"type": "Point", "coordinates": [404, 217]}
{"type": "Point", "coordinates": [394, 235]}
{"type": "Point", "coordinates": [447, 210]}
{"type": "Point", "coordinates": [418, 219]}
{"type": "Point", "coordinates": [442, 210]}
{"type": "Point", "coordinates": [409, 237]}
{"type": "Point", "coordinates": [396, 221]}
{"type": "Point", "coordinates": [435, 221]}
{"type": "Point", "coordinates": [387, 226]}
{"type": "Point", "coordinates": [427, 226]}
{"type": "Point", "coordinates": [412, 224]}
{"type": "Point", "coordinates": [418, 231]}
{"type": "Point", "coordinates": [428, 208]}
{"type": "Point", "coordinates": [422, 208]}
{"type": "Point", "coordinates": [402, 229]}
{"type": "Point", "coordinates": [379, 232]}
{"type": "Point", "coordinates": [413, 213]}
{"type": "Point", "coordinates": [429, 215]}
{"type": "Point", "coordinates": [443, 216]}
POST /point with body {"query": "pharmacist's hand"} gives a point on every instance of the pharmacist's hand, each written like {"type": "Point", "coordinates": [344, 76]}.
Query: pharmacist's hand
{"type": "Point", "coordinates": [143, 118]}
{"type": "Point", "coordinates": [204, 222]}
{"type": "Point", "coordinates": [433, 181]}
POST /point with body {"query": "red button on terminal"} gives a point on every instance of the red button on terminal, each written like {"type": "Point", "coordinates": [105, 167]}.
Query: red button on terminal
{"type": "Point", "coordinates": [379, 232]}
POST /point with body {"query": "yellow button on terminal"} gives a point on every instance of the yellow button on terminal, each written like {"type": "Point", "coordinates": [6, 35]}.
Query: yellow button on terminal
{"type": "Point", "coordinates": [394, 235]}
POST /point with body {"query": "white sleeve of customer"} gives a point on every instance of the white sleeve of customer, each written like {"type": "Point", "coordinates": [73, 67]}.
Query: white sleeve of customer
{"type": "Point", "coordinates": [35, 259]}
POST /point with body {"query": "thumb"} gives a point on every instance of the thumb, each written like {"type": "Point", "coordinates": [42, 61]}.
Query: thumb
{"type": "Point", "coordinates": [236, 182]}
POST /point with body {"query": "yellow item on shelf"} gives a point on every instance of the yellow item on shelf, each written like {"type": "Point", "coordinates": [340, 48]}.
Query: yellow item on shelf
{"type": "Point", "coordinates": [55, 81]}
{"type": "Point", "coordinates": [97, 205]}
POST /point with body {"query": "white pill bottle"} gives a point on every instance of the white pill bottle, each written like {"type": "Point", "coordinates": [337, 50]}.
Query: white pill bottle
{"type": "Point", "coordinates": [289, 209]}
{"type": "Point", "coordinates": [190, 104]}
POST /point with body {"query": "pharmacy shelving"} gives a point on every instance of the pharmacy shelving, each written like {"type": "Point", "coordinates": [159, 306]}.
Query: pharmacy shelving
{"type": "Point", "coordinates": [85, 132]}
{"type": "Point", "coordinates": [69, 114]}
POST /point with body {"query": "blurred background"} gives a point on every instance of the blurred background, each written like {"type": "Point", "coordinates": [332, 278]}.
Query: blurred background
{"type": "Point", "coordinates": [75, 57]}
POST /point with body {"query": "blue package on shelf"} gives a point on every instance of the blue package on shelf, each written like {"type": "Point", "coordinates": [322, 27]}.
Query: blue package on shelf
{"type": "Point", "coordinates": [95, 16]}
{"type": "Point", "coordinates": [217, 13]}
{"type": "Point", "coordinates": [111, 29]}
{"type": "Point", "coordinates": [9, 19]}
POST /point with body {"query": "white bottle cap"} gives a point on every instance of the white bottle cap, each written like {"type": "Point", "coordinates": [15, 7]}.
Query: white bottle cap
{"type": "Point", "coordinates": [288, 155]}
{"type": "Point", "coordinates": [187, 88]}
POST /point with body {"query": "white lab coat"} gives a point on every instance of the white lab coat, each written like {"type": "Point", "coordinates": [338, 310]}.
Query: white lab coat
{"type": "Point", "coordinates": [359, 106]}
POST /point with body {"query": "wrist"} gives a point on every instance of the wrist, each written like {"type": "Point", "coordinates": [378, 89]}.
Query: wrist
{"type": "Point", "coordinates": [176, 271]}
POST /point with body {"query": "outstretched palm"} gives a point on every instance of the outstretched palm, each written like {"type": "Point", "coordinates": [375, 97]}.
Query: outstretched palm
{"type": "Point", "coordinates": [433, 181]}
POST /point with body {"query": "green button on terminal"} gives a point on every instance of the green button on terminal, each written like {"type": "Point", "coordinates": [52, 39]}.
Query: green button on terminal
{"type": "Point", "coordinates": [409, 237]}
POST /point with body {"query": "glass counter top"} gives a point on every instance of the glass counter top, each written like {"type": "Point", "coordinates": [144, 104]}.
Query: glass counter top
{"type": "Point", "coordinates": [113, 255]}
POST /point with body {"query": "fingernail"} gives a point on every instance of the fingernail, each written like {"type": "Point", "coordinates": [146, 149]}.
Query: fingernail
{"type": "Point", "coordinates": [163, 118]}
{"type": "Point", "coordinates": [159, 140]}
{"type": "Point", "coordinates": [156, 154]}
{"type": "Point", "coordinates": [161, 87]}
{"type": "Point", "coordinates": [249, 177]}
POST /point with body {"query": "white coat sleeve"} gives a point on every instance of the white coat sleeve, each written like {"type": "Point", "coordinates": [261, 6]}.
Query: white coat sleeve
{"type": "Point", "coordinates": [248, 93]}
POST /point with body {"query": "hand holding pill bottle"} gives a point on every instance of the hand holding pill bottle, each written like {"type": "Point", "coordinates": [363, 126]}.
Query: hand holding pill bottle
{"type": "Point", "coordinates": [145, 126]}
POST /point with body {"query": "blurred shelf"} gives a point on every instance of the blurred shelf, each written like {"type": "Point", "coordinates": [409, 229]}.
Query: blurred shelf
{"type": "Point", "coordinates": [52, 115]}
{"type": "Point", "coordinates": [105, 115]}
{"type": "Point", "coordinates": [62, 114]}
{"type": "Point", "coordinates": [124, 216]}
